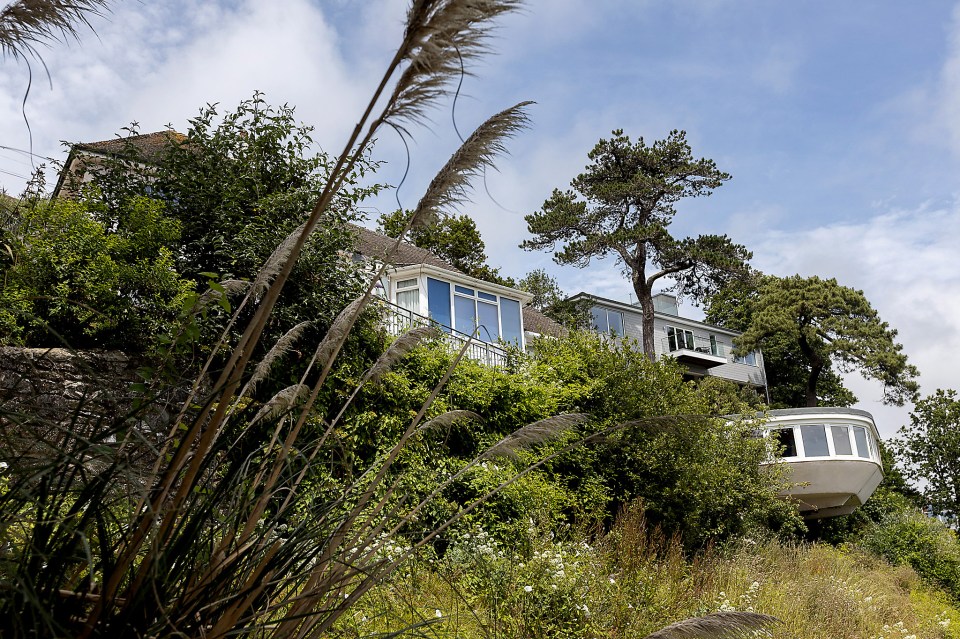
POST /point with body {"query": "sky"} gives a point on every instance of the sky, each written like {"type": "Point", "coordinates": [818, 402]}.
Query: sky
{"type": "Point", "coordinates": [839, 122]}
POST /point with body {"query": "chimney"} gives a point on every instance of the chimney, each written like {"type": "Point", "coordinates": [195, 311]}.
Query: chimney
{"type": "Point", "coordinates": [666, 303]}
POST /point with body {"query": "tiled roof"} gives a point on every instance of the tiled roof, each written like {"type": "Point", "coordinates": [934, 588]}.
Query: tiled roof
{"type": "Point", "coordinates": [375, 245]}
{"type": "Point", "coordinates": [536, 322]}
{"type": "Point", "coordinates": [148, 146]}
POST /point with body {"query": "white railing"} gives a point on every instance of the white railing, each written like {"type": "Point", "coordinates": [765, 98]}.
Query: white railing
{"type": "Point", "coordinates": [398, 320]}
{"type": "Point", "coordinates": [699, 345]}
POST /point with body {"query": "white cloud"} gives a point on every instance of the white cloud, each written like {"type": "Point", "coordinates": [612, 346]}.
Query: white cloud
{"type": "Point", "coordinates": [905, 262]}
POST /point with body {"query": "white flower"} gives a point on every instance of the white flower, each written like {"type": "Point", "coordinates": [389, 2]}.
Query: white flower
{"type": "Point", "coordinates": [438, 613]}
{"type": "Point", "coordinates": [528, 588]}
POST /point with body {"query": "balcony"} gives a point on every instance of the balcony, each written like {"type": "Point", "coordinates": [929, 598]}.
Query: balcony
{"type": "Point", "coordinates": [398, 320]}
{"type": "Point", "coordinates": [689, 349]}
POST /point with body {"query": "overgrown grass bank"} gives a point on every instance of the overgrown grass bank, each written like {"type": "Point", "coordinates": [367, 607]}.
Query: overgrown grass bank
{"type": "Point", "coordinates": [632, 582]}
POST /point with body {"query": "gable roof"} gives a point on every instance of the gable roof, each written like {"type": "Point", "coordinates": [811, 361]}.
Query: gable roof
{"type": "Point", "coordinates": [144, 148]}
{"type": "Point", "coordinates": [376, 245]}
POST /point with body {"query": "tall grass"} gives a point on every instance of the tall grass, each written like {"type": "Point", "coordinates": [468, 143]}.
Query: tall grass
{"type": "Point", "coordinates": [630, 582]}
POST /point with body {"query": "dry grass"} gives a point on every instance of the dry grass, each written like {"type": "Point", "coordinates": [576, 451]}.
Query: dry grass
{"type": "Point", "coordinates": [634, 581]}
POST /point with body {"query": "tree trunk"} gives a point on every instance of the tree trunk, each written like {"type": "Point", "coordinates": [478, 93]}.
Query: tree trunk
{"type": "Point", "coordinates": [645, 297]}
{"type": "Point", "coordinates": [816, 367]}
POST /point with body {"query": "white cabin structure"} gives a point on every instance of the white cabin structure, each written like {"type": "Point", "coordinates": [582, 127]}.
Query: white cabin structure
{"type": "Point", "coordinates": [832, 457]}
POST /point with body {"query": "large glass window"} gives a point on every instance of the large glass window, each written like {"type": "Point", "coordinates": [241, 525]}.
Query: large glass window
{"type": "Point", "coordinates": [841, 440]}
{"type": "Point", "coordinates": [814, 440]}
{"type": "Point", "coordinates": [510, 321]}
{"type": "Point", "coordinates": [860, 436]}
{"type": "Point", "coordinates": [679, 338]}
{"type": "Point", "coordinates": [438, 302]}
{"type": "Point", "coordinates": [607, 321]}
{"type": "Point", "coordinates": [488, 321]}
{"type": "Point", "coordinates": [750, 359]}
{"type": "Point", "coordinates": [785, 441]}
{"type": "Point", "coordinates": [466, 310]}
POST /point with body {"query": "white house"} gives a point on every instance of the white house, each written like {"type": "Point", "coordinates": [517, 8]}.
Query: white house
{"type": "Point", "coordinates": [421, 288]}
{"type": "Point", "coordinates": [704, 350]}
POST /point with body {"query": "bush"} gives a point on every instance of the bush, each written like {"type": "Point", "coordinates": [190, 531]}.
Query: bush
{"type": "Point", "coordinates": [910, 538]}
{"type": "Point", "coordinates": [77, 280]}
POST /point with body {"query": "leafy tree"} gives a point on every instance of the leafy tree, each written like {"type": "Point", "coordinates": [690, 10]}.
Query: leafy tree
{"type": "Point", "coordinates": [550, 300]}
{"type": "Point", "coordinates": [629, 193]}
{"type": "Point", "coordinates": [830, 324]}
{"type": "Point", "coordinates": [544, 287]}
{"type": "Point", "coordinates": [929, 449]}
{"type": "Point", "coordinates": [239, 183]}
{"type": "Point", "coordinates": [785, 367]}
{"type": "Point", "coordinates": [75, 278]}
{"type": "Point", "coordinates": [452, 238]}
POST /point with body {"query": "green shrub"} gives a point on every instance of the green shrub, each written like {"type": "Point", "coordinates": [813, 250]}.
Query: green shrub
{"type": "Point", "coordinates": [910, 538]}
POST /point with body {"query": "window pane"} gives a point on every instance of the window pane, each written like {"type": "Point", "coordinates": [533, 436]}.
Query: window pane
{"type": "Point", "coordinates": [785, 440]}
{"type": "Point", "coordinates": [615, 321]}
{"type": "Point", "coordinates": [488, 321]}
{"type": "Point", "coordinates": [409, 299]}
{"type": "Point", "coordinates": [672, 338]}
{"type": "Point", "coordinates": [406, 283]}
{"type": "Point", "coordinates": [465, 311]}
{"type": "Point", "coordinates": [463, 289]}
{"type": "Point", "coordinates": [841, 440]}
{"type": "Point", "coordinates": [438, 302]}
{"type": "Point", "coordinates": [688, 337]}
{"type": "Point", "coordinates": [510, 320]}
{"type": "Point", "coordinates": [860, 434]}
{"type": "Point", "coordinates": [599, 319]}
{"type": "Point", "coordinates": [714, 347]}
{"type": "Point", "coordinates": [486, 296]}
{"type": "Point", "coordinates": [814, 441]}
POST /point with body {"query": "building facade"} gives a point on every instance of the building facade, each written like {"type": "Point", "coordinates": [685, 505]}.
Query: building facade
{"type": "Point", "coordinates": [705, 350]}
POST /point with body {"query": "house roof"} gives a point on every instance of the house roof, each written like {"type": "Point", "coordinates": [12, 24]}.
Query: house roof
{"type": "Point", "coordinates": [376, 245]}
{"type": "Point", "coordinates": [144, 148]}
{"type": "Point", "coordinates": [148, 146]}
{"type": "Point", "coordinates": [373, 244]}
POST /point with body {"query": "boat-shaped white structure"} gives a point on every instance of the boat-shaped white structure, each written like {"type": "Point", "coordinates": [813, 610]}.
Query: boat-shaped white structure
{"type": "Point", "coordinates": [831, 455]}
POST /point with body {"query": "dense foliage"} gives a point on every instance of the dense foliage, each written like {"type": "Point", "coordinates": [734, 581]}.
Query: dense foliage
{"type": "Point", "coordinates": [80, 277]}
{"type": "Point", "coordinates": [697, 476]}
{"type": "Point", "coordinates": [786, 370]}
{"type": "Point", "coordinates": [929, 449]}
{"type": "Point", "coordinates": [829, 324]}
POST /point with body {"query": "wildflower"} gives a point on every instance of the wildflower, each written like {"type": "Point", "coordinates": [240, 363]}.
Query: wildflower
{"type": "Point", "coordinates": [438, 613]}
{"type": "Point", "coordinates": [528, 588]}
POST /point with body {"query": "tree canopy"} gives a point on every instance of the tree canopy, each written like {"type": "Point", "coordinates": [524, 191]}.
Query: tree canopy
{"type": "Point", "coordinates": [784, 365]}
{"type": "Point", "coordinates": [454, 238]}
{"type": "Point", "coordinates": [929, 449]}
{"type": "Point", "coordinates": [549, 299]}
{"type": "Point", "coordinates": [830, 324]}
{"type": "Point", "coordinates": [623, 205]}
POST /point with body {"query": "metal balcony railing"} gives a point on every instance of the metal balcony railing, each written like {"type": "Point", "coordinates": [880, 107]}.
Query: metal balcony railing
{"type": "Point", "coordinates": [685, 341]}
{"type": "Point", "coordinates": [399, 320]}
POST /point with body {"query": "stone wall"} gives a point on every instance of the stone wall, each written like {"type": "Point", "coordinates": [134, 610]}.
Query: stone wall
{"type": "Point", "coordinates": [56, 398]}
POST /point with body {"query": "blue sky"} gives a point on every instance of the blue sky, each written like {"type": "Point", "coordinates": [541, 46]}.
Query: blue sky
{"type": "Point", "coordinates": [839, 121]}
